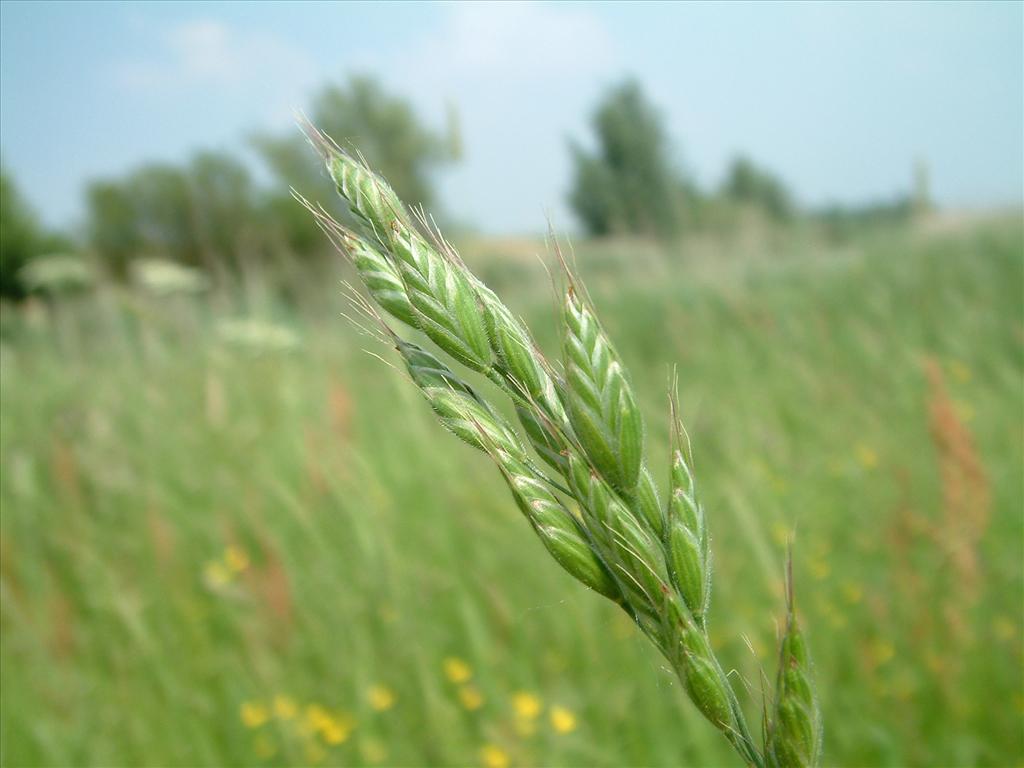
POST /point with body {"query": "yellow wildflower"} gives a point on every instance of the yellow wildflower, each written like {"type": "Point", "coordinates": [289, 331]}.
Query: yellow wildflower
{"type": "Point", "coordinates": [867, 456]}
{"type": "Point", "coordinates": [335, 732]}
{"type": "Point", "coordinates": [493, 757]}
{"type": "Point", "coordinates": [470, 697]}
{"type": "Point", "coordinates": [456, 670]}
{"type": "Point", "coordinates": [284, 707]}
{"type": "Point", "coordinates": [526, 705]}
{"type": "Point", "coordinates": [254, 714]}
{"type": "Point", "coordinates": [381, 697]}
{"type": "Point", "coordinates": [236, 559]}
{"type": "Point", "coordinates": [216, 574]}
{"type": "Point", "coordinates": [317, 717]}
{"type": "Point", "coordinates": [563, 720]}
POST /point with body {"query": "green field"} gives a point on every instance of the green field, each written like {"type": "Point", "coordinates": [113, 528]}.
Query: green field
{"type": "Point", "coordinates": [216, 553]}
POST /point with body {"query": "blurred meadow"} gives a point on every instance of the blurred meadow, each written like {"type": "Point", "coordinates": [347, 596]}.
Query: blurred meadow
{"type": "Point", "coordinates": [201, 528]}
{"type": "Point", "coordinates": [231, 535]}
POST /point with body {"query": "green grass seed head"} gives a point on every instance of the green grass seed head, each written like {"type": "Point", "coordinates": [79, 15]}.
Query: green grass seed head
{"type": "Point", "coordinates": [645, 500]}
{"type": "Point", "coordinates": [633, 553]}
{"type": "Point", "coordinates": [368, 195]}
{"type": "Point", "coordinates": [544, 439]}
{"type": "Point", "coordinates": [560, 532]}
{"type": "Point", "coordinates": [654, 560]}
{"type": "Point", "coordinates": [472, 421]}
{"type": "Point", "coordinates": [687, 538]}
{"type": "Point", "coordinates": [442, 297]}
{"type": "Point", "coordinates": [443, 300]}
{"type": "Point", "coordinates": [708, 690]}
{"type": "Point", "coordinates": [599, 398]}
{"type": "Point", "coordinates": [705, 682]}
{"type": "Point", "coordinates": [519, 360]}
{"type": "Point", "coordinates": [687, 567]}
{"type": "Point", "coordinates": [459, 408]}
{"type": "Point", "coordinates": [794, 734]}
{"type": "Point", "coordinates": [640, 555]}
{"type": "Point", "coordinates": [428, 371]}
{"type": "Point", "coordinates": [513, 346]}
{"type": "Point", "coordinates": [381, 279]}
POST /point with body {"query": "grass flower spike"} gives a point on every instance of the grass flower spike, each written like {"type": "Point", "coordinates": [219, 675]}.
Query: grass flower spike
{"type": "Point", "coordinates": [793, 735]}
{"type": "Point", "coordinates": [577, 472]}
{"type": "Point", "coordinates": [687, 532]}
{"type": "Point", "coordinates": [599, 398]}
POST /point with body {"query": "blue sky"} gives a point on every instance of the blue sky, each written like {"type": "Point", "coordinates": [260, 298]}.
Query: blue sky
{"type": "Point", "coordinates": [837, 98]}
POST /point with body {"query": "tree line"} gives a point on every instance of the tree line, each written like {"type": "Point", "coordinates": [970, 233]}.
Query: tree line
{"type": "Point", "coordinates": [209, 212]}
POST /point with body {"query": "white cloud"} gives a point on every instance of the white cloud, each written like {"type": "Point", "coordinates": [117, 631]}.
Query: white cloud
{"type": "Point", "coordinates": [523, 77]}
{"type": "Point", "coordinates": [246, 71]}
{"type": "Point", "coordinates": [205, 50]}
{"type": "Point", "coordinates": [203, 53]}
{"type": "Point", "coordinates": [512, 42]}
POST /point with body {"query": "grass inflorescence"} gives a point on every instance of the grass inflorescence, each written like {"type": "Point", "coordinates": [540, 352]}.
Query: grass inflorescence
{"type": "Point", "coordinates": [595, 505]}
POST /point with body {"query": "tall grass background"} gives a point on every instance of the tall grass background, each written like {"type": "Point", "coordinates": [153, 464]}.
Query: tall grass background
{"type": "Point", "coordinates": [191, 523]}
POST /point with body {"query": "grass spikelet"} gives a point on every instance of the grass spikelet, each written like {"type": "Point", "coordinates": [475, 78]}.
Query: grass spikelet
{"type": "Point", "coordinates": [370, 197]}
{"type": "Point", "coordinates": [543, 438]}
{"type": "Point", "coordinates": [437, 288]}
{"type": "Point", "coordinates": [458, 407]}
{"type": "Point", "coordinates": [381, 279]}
{"type": "Point", "coordinates": [687, 529]}
{"type": "Point", "coordinates": [520, 363]}
{"type": "Point", "coordinates": [793, 736]}
{"type": "Point", "coordinates": [443, 299]}
{"type": "Point", "coordinates": [645, 500]}
{"type": "Point", "coordinates": [600, 401]}
{"type": "Point", "coordinates": [563, 536]}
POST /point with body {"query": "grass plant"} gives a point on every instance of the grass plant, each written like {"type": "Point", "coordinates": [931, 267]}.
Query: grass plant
{"type": "Point", "coordinates": [205, 544]}
{"type": "Point", "coordinates": [595, 506]}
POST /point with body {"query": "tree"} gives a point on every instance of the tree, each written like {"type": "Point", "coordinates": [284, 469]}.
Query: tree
{"type": "Point", "coordinates": [165, 212]}
{"type": "Point", "coordinates": [748, 184]}
{"type": "Point", "coordinates": [113, 229]}
{"type": "Point", "coordinates": [22, 238]}
{"type": "Point", "coordinates": [19, 236]}
{"type": "Point", "coordinates": [199, 214]}
{"type": "Point", "coordinates": [224, 206]}
{"type": "Point", "coordinates": [210, 213]}
{"type": "Point", "coordinates": [629, 183]}
{"type": "Point", "coordinates": [383, 128]}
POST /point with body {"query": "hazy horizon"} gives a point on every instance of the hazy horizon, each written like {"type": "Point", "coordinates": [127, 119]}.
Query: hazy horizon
{"type": "Point", "coordinates": [840, 100]}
